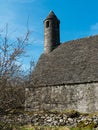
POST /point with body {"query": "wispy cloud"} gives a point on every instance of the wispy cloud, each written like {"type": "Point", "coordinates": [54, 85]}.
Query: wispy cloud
{"type": "Point", "coordinates": [94, 28]}
{"type": "Point", "coordinates": [15, 14]}
{"type": "Point", "coordinates": [21, 1]}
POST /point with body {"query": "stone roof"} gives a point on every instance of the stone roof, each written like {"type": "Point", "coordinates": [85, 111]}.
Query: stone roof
{"type": "Point", "coordinates": [71, 62]}
{"type": "Point", "coordinates": [51, 16]}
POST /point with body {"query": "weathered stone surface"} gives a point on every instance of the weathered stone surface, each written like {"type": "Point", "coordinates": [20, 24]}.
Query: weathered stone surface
{"type": "Point", "coordinates": [71, 62]}
{"type": "Point", "coordinates": [81, 97]}
{"type": "Point", "coordinates": [51, 33]}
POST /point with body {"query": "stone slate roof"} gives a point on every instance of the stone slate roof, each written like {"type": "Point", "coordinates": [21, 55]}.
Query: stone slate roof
{"type": "Point", "coordinates": [51, 16]}
{"type": "Point", "coordinates": [71, 62]}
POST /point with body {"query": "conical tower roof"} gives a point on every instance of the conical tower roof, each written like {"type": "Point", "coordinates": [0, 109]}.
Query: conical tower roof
{"type": "Point", "coordinates": [51, 16]}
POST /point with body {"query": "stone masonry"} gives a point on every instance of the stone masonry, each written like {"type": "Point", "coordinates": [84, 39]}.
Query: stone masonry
{"type": "Point", "coordinates": [80, 97]}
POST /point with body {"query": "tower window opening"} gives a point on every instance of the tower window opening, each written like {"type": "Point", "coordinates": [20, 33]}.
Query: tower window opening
{"type": "Point", "coordinates": [47, 24]}
{"type": "Point", "coordinates": [58, 25]}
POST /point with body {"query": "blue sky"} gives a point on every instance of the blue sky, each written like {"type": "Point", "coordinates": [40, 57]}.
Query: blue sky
{"type": "Point", "coordinates": [79, 18]}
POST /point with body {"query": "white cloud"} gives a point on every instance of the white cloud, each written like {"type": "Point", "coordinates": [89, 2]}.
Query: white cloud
{"type": "Point", "coordinates": [21, 1]}
{"type": "Point", "coordinates": [94, 27]}
{"type": "Point", "coordinates": [16, 18]}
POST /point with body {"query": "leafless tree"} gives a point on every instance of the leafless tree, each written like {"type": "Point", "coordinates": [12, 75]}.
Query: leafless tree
{"type": "Point", "coordinates": [11, 80]}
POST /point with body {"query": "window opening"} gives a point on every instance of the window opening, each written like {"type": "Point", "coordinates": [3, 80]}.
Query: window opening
{"type": "Point", "coordinates": [47, 24]}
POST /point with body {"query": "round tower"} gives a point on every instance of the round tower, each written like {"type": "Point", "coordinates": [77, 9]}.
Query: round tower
{"type": "Point", "coordinates": [51, 32]}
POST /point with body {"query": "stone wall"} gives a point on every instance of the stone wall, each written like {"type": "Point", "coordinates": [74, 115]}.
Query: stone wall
{"type": "Point", "coordinates": [70, 119]}
{"type": "Point", "coordinates": [80, 97]}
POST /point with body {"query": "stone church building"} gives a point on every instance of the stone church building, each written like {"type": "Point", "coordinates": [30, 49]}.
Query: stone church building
{"type": "Point", "coordinates": [66, 75]}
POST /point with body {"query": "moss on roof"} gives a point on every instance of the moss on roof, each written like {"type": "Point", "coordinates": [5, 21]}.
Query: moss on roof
{"type": "Point", "coordinates": [71, 62]}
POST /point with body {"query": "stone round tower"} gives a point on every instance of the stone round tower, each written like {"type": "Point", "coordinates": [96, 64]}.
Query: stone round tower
{"type": "Point", "coordinates": [51, 32]}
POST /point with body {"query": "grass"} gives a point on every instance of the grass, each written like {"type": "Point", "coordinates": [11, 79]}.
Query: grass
{"type": "Point", "coordinates": [52, 128]}
{"type": "Point", "coordinates": [30, 127]}
{"type": "Point", "coordinates": [42, 128]}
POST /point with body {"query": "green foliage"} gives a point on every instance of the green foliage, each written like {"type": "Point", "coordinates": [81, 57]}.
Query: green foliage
{"type": "Point", "coordinates": [77, 128]}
